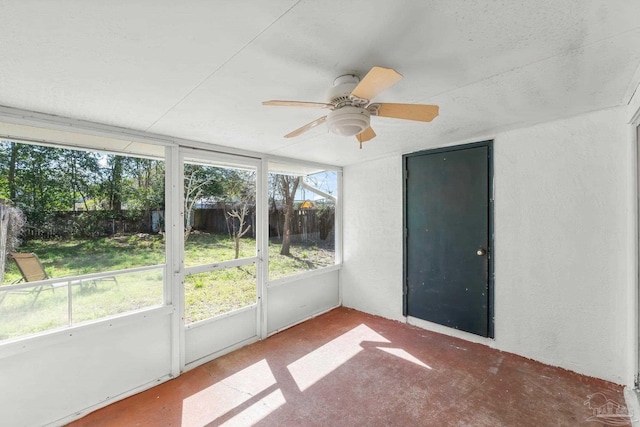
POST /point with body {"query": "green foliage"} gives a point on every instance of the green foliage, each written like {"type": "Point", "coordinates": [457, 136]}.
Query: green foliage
{"type": "Point", "coordinates": [303, 257]}
{"type": "Point", "coordinates": [146, 189]}
{"type": "Point", "coordinates": [217, 292]}
{"type": "Point", "coordinates": [206, 294]}
{"type": "Point", "coordinates": [203, 248]}
{"type": "Point", "coordinates": [46, 182]}
{"type": "Point", "coordinates": [200, 182]}
{"type": "Point", "coordinates": [30, 182]}
{"type": "Point", "coordinates": [15, 221]}
{"type": "Point", "coordinates": [326, 214]}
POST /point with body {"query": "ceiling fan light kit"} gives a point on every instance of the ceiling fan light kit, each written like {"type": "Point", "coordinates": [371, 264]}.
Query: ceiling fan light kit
{"type": "Point", "coordinates": [348, 120]}
{"type": "Point", "coordinates": [351, 107]}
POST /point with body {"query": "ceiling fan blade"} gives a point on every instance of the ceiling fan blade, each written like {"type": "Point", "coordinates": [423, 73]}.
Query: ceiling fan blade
{"type": "Point", "coordinates": [297, 104]}
{"type": "Point", "coordinates": [306, 127]}
{"type": "Point", "coordinates": [418, 112]}
{"type": "Point", "coordinates": [377, 80]}
{"type": "Point", "coordinates": [365, 135]}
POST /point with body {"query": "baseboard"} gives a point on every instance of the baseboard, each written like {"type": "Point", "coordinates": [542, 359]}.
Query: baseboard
{"type": "Point", "coordinates": [632, 400]}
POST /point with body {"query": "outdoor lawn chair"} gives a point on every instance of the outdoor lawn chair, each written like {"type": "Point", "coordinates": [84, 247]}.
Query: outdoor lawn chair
{"type": "Point", "coordinates": [32, 270]}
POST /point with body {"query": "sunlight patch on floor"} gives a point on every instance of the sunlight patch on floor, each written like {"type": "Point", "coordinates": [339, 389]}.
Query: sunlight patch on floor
{"type": "Point", "coordinates": [259, 410]}
{"type": "Point", "coordinates": [403, 354]}
{"type": "Point", "coordinates": [250, 395]}
{"type": "Point", "coordinates": [218, 399]}
{"type": "Point", "coordinates": [309, 369]}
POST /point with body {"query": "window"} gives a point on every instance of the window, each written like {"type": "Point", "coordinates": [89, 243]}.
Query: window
{"type": "Point", "coordinates": [302, 217]}
{"type": "Point", "coordinates": [94, 223]}
{"type": "Point", "coordinates": [219, 213]}
{"type": "Point", "coordinates": [219, 207]}
{"type": "Point", "coordinates": [218, 292]}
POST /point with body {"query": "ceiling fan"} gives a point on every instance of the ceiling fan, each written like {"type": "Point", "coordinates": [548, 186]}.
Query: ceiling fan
{"type": "Point", "coordinates": [351, 107]}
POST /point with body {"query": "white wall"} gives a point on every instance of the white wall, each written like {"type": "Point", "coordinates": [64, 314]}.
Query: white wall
{"type": "Point", "coordinates": [208, 339]}
{"type": "Point", "coordinates": [46, 380]}
{"type": "Point", "coordinates": [561, 240]}
{"type": "Point", "coordinates": [296, 299]}
{"type": "Point", "coordinates": [372, 267]}
{"type": "Point", "coordinates": [562, 235]}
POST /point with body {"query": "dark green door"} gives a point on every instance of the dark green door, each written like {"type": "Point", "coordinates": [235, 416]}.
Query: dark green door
{"type": "Point", "coordinates": [447, 237]}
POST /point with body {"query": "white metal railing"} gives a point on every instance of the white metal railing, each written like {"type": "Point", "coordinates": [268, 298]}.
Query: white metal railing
{"type": "Point", "coordinates": [69, 282]}
{"type": "Point", "coordinates": [80, 278]}
{"type": "Point", "coordinates": [205, 268]}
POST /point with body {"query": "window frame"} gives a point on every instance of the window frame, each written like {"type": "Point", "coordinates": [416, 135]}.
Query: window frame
{"type": "Point", "coordinates": [71, 280]}
{"type": "Point", "coordinates": [61, 132]}
{"type": "Point", "coordinates": [215, 159]}
{"type": "Point", "coordinates": [280, 165]}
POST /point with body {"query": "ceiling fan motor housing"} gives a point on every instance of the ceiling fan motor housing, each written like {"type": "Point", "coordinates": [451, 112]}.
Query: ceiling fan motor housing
{"type": "Point", "coordinates": [339, 93]}
{"type": "Point", "coordinates": [348, 120]}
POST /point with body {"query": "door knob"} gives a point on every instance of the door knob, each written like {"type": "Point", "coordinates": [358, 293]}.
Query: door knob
{"type": "Point", "coordinates": [481, 252]}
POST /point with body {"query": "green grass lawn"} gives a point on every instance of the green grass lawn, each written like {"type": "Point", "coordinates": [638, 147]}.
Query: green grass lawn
{"type": "Point", "coordinates": [206, 294]}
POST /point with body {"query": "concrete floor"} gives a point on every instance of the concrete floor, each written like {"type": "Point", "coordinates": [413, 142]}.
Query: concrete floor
{"type": "Point", "coordinates": [347, 368]}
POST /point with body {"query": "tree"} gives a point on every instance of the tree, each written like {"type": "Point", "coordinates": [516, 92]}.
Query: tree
{"type": "Point", "coordinates": [36, 179]}
{"type": "Point", "coordinates": [11, 222]}
{"type": "Point", "coordinates": [199, 182]}
{"type": "Point", "coordinates": [47, 183]}
{"type": "Point", "coordinates": [239, 197]}
{"type": "Point", "coordinates": [287, 186]}
{"type": "Point", "coordinates": [114, 184]}
{"type": "Point", "coordinates": [13, 159]}
{"type": "Point", "coordinates": [146, 187]}
{"type": "Point", "coordinates": [81, 176]}
{"type": "Point", "coordinates": [42, 179]}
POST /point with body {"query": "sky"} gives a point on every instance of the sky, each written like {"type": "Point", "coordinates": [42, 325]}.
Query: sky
{"type": "Point", "coordinates": [326, 181]}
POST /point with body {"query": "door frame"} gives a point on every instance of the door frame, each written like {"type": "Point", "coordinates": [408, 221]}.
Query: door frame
{"type": "Point", "coordinates": [490, 225]}
{"type": "Point", "coordinates": [215, 158]}
{"type": "Point", "coordinates": [634, 131]}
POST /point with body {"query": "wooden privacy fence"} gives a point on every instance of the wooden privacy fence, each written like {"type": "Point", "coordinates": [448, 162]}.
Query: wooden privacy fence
{"type": "Point", "coordinates": [306, 224]}
{"type": "Point", "coordinates": [94, 224]}
{"type": "Point", "coordinates": [214, 220]}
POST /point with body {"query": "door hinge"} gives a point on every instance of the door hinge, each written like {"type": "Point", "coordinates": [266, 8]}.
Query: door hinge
{"type": "Point", "coordinates": [406, 174]}
{"type": "Point", "coordinates": [636, 381]}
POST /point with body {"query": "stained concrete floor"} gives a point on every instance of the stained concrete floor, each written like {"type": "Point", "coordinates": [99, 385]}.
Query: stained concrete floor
{"type": "Point", "coordinates": [347, 368]}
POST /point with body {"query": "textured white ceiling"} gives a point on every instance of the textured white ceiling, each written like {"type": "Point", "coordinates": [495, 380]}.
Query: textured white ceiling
{"type": "Point", "coordinates": [200, 69]}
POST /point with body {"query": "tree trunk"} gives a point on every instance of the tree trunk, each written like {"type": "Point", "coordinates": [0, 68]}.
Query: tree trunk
{"type": "Point", "coordinates": [187, 221]}
{"type": "Point", "coordinates": [241, 229]}
{"type": "Point", "coordinates": [12, 171]}
{"type": "Point", "coordinates": [116, 184]}
{"type": "Point", "coordinates": [4, 222]}
{"type": "Point", "coordinates": [286, 237]}
{"type": "Point", "coordinates": [288, 186]}
{"type": "Point", "coordinates": [73, 181]}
